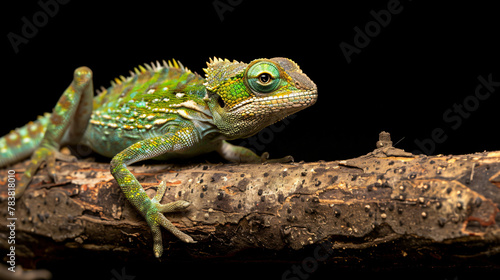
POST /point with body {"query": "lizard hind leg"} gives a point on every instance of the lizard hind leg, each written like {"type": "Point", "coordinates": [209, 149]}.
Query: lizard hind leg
{"type": "Point", "coordinates": [73, 107]}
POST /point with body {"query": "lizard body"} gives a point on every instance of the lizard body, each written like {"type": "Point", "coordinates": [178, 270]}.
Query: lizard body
{"type": "Point", "coordinates": [162, 111]}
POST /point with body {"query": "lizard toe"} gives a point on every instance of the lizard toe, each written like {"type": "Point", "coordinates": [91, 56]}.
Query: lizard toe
{"type": "Point", "coordinates": [175, 206]}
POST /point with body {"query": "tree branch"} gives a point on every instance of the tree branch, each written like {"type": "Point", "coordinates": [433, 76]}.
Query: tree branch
{"type": "Point", "coordinates": [387, 204]}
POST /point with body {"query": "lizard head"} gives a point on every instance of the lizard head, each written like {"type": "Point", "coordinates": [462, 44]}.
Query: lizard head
{"type": "Point", "coordinates": [245, 98]}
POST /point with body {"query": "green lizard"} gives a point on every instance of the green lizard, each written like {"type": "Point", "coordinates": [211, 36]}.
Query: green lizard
{"type": "Point", "coordinates": [162, 111]}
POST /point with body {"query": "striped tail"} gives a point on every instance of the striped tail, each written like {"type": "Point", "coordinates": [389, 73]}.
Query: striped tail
{"type": "Point", "coordinates": [21, 142]}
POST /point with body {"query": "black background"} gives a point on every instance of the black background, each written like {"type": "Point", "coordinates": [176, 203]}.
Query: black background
{"type": "Point", "coordinates": [425, 60]}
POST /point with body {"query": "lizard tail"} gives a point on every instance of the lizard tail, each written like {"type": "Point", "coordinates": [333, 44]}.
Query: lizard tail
{"type": "Point", "coordinates": [21, 142]}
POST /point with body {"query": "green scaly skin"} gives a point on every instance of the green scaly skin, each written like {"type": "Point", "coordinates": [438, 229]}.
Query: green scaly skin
{"type": "Point", "coordinates": [163, 111]}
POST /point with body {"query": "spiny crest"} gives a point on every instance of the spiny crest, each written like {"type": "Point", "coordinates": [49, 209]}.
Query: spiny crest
{"type": "Point", "coordinates": [220, 69]}
{"type": "Point", "coordinates": [212, 62]}
{"type": "Point", "coordinates": [151, 67]}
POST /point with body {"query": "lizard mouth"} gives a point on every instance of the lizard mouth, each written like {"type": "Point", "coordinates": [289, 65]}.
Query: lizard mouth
{"type": "Point", "coordinates": [288, 102]}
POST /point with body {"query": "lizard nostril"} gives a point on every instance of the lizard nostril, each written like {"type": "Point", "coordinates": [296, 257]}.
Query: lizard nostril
{"type": "Point", "coordinates": [301, 81]}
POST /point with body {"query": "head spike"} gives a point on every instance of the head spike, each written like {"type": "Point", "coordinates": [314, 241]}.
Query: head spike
{"type": "Point", "coordinates": [218, 69]}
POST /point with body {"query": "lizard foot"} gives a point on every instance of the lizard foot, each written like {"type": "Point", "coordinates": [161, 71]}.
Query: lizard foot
{"type": "Point", "coordinates": [40, 155]}
{"type": "Point", "coordinates": [264, 158]}
{"type": "Point", "coordinates": [156, 217]}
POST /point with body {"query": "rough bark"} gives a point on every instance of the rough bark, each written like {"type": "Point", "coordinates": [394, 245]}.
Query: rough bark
{"type": "Point", "coordinates": [388, 205]}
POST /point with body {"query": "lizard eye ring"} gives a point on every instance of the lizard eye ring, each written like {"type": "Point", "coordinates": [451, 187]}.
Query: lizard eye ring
{"type": "Point", "coordinates": [263, 77]}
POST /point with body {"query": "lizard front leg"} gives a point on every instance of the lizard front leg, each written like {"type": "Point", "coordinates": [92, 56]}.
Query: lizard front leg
{"type": "Point", "coordinates": [67, 124]}
{"type": "Point", "coordinates": [182, 139]}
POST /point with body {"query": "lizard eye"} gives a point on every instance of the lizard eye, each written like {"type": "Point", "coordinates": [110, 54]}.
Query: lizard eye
{"type": "Point", "coordinates": [263, 77]}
